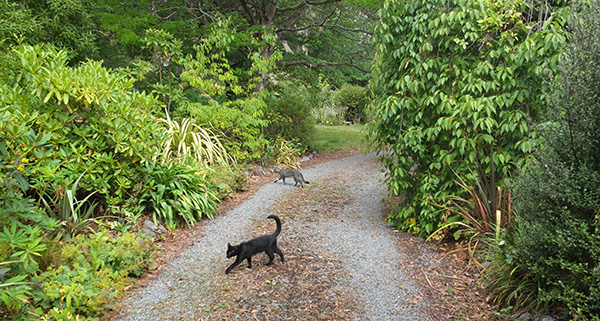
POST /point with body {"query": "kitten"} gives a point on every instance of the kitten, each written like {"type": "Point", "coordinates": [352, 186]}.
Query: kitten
{"type": "Point", "coordinates": [264, 243]}
{"type": "Point", "coordinates": [295, 174]}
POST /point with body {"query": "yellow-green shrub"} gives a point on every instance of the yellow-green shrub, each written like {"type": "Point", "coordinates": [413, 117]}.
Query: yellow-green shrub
{"type": "Point", "coordinates": [94, 271]}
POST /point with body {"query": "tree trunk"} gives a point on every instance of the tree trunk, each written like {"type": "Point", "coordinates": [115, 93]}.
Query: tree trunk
{"type": "Point", "coordinates": [268, 16]}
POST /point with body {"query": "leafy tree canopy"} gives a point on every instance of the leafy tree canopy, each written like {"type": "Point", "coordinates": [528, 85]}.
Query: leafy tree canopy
{"type": "Point", "coordinates": [311, 34]}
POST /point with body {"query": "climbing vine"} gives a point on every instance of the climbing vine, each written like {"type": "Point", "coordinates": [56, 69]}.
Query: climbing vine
{"type": "Point", "coordinates": [456, 82]}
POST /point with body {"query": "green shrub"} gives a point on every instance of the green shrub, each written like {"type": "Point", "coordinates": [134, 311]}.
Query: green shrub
{"type": "Point", "coordinates": [239, 123]}
{"type": "Point", "coordinates": [557, 237]}
{"type": "Point", "coordinates": [70, 120]}
{"type": "Point", "coordinates": [290, 116]}
{"type": "Point", "coordinates": [177, 192]}
{"type": "Point", "coordinates": [352, 100]}
{"type": "Point", "coordinates": [556, 244]}
{"type": "Point", "coordinates": [23, 153]}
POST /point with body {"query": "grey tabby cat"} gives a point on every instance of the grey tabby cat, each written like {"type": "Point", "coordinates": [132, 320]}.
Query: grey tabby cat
{"type": "Point", "coordinates": [295, 174]}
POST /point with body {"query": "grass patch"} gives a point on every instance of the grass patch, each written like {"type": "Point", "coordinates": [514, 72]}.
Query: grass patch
{"type": "Point", "coordinates": [336, 138]}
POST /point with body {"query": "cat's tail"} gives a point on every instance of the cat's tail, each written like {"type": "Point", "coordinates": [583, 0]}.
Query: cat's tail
{"type": "Point", "coordinates": [278, 221]}
{"type": "Point", "coordinates": [303, 180]}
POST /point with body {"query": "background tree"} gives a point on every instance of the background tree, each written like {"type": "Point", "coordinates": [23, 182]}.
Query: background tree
{"type": "Point", "coordinates": [312, 34]}
{"type": "Point", "coordinates": [456, 82]}
{"type": "Point", "coordinates": [123, 26]}
{"type": "Point", "coordinates": [67, 24]}
{"type": "Point", "coordinates": [335, 42]}
{"type": "Point", "coordinates": [297, 24]}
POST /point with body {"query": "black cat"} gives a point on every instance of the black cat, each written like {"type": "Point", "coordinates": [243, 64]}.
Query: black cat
{"type": "Point", "coordinates": [264, 243]}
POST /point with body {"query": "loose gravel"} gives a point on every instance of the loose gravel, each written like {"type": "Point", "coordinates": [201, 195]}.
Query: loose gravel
{"type": "Point", "coordinates": [372, 265]}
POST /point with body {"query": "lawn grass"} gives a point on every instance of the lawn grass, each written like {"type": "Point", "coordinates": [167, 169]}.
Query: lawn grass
{"type": "Point", "coordinates": [336, 138]}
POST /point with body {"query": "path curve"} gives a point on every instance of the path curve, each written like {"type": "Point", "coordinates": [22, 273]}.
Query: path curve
{"type": "Point", "coordinates": [359, 265]}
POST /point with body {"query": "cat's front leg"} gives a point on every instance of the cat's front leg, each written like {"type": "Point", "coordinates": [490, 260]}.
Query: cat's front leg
{"type": "Point", "coordinates": [236, 263]}
{"type": "Point", "coordinates": [249, 262]}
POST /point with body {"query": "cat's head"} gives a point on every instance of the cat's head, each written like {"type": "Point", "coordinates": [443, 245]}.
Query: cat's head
{"type": "Point", "coordinates": [231, 250]}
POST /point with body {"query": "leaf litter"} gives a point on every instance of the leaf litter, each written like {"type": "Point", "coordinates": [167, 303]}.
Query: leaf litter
{"type": "Point", "coordinates": [306, 286]}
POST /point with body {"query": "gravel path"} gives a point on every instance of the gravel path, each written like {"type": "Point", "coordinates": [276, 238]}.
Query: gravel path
{"type": "Point", "coordinates": [359, 264]}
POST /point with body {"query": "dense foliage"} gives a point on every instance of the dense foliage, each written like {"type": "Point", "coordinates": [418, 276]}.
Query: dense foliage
{"type": "Point", "coordinates": [330, 36]}
{"type": "Point", "coordinates": [90, 272]}
{"type": "Point", "coordinates": [290, 112]}
{"type": "Point", "coordinates": [76, 144]}
{"type": "Point", "coordinates": [63, 121]}
{"type": "Point", "coordinates": [188, 92]}
{"type": "Point", "coordinates": [455, 83]}
{"type": "Point", "coordinates": [68, 24]}
{"type": "Point", "coordinates": [555, 245]}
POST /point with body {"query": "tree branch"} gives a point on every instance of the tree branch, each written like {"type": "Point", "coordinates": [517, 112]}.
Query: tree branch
{"type": "Point", "coordinates": [323, 25]}
{"type": "Point", "coordinates": [247, 11]}
{"type": "Point", "coordinates": [310, 65]}
{"type": "Point", "coordinates": [286, 27]}
{"type": "Point", "coordinates": [305, 3]}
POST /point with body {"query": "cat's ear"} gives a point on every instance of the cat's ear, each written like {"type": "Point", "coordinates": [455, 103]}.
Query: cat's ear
{"type": "Point", "coordinates": [229, 245]}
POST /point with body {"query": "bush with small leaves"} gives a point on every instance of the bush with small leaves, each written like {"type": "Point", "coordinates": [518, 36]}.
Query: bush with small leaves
{"type": "Point", "coordinates": [556, 243]}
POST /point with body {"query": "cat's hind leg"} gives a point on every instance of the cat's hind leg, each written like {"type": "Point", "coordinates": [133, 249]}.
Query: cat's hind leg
{"type": "Point", "coordinates": [278, 251]}
{"type": "Point", "coordinates": [271, 256]}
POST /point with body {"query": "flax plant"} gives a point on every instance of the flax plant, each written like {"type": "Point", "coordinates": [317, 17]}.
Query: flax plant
{"type": "Point", "coordinates": [281, 152]}
{"type": "Point", "coordinates": [488, 213]}
{"type": "Point", "coordinates": [188, 140]}
{"type": "Point", "coordinates": [74, 214]}
{"type": "Point", "coordinates": [487, 210]}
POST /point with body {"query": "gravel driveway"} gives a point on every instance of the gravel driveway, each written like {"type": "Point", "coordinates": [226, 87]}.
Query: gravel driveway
{"type": "Point", "coordinates": [343, 261]}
